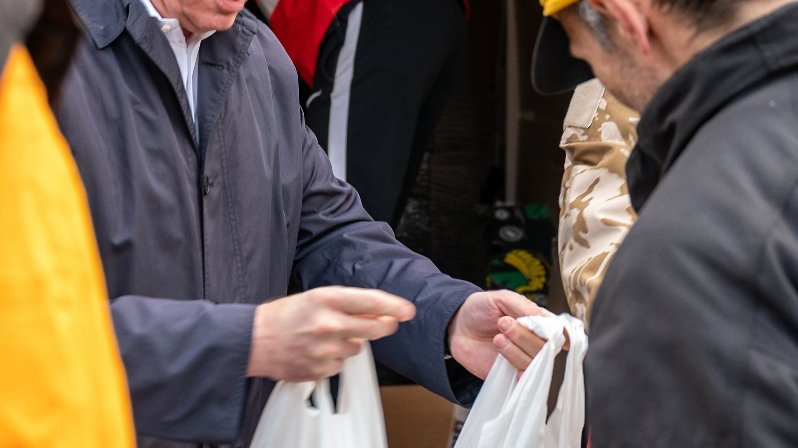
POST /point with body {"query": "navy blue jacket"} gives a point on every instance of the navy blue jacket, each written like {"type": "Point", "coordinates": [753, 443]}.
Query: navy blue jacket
{"type": "Point", "coordinates": [195, 230]}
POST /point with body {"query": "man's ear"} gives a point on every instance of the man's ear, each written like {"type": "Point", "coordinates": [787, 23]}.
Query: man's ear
{"type": "Point", "coordinates": [631, 17]}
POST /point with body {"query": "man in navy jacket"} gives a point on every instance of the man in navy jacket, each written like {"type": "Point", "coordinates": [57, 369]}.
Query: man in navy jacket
{"type": "Point", "coordinates": [212, 201]}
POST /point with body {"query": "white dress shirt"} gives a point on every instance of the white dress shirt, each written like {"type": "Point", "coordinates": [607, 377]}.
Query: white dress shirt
{"type": "Point", "coordinates": [186, 54]}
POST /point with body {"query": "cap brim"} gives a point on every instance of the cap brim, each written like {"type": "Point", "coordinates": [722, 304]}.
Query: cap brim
{"type": "Point", "coordinates": [554, 70]}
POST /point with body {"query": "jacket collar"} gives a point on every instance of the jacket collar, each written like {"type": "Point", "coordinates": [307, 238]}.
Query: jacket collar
{"type": "Point", "coordinates": [103, 21]}
{"type": "Point", "coordinates": [220, 58]}
{"type": "Point", "coordinates": [698, 90]}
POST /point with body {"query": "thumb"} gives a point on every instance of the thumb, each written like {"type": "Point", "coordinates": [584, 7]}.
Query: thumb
{"type": "Point", "coordinates": [515, 305]}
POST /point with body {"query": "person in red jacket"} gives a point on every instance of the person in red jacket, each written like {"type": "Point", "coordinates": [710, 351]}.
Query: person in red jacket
{"type": "Point", "coordinates": [379, 73]}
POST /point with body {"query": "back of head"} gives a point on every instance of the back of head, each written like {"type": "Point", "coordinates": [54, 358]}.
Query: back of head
{"type": "Point", "coordinates": [51, 42]}
{"type": "Point", "coordinates": [703, 15]}
{"type": "Point", "coordinates": [16, 19]}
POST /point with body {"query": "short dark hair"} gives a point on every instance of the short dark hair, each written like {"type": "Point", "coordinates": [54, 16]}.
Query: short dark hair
{"type": "Point", "coordinates": [703, 14]}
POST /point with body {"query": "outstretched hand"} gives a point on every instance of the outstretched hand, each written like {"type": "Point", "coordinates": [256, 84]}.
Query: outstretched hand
{"type": "Point", "coordinates": [486, 325]}
{"type": "Point", "coordinates": [307, 336]}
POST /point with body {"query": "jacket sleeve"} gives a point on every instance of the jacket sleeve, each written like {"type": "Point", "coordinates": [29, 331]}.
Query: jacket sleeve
{"type": "Point", "coordinates": [595, 210]}
{"type": "Point", "coordinates": [185, 391]}
{"type": "Point", "coordinates": [339, 243]}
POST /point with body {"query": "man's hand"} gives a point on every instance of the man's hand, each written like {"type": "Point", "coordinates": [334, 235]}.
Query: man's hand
{"type": "Point", "coordinates": [485, 325]}
{"type": "Point", "coordinates": [307, 336]}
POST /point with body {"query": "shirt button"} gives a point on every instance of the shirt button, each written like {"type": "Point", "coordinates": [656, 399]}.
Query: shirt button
{"type": "Point", "coordinates": [166, 28]}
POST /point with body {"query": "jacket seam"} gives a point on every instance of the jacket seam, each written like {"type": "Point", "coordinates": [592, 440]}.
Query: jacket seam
{"type": "Point", "coordinates": [241, 393]}
{"type": "Point", "coordinates": [231, 214]}
{"type": "Point", "coordinates": [745, 380]}
{"type": "Point", "coordinates": [794, 98]}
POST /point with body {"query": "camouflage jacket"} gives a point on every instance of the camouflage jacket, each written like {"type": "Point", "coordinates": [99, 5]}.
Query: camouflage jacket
{"type": "Point", "coordinates": [595, 212]}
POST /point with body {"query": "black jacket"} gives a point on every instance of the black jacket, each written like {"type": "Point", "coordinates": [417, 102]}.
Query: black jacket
{"type": "Point", "coordinates": [195, 230]}
{"type": "Point", "coordinates": [694, 332]}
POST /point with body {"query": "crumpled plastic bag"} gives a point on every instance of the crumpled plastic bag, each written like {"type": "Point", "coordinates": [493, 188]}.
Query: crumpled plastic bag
{"type": "Point", "coordinates": [510, 412]}
{"type": "Point", "coordinates": [289, 420]}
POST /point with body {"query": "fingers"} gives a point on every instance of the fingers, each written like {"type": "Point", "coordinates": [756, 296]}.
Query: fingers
{"type": "Point", "coordinates": [359, 313]}
{"type": "Point", "coordinates": [330, 357]}
{"type": "Point", "coordinates": [515, 305]}
{"type": "Point", "coordinates": [308, 335]}
{"type": "Point", "coordinates": [371, 302]}
{"type": "Point", "coordinates": [512, 352]}
{"type": "Point", "coordinates": [321, 370]}
{"type": "Point", "coordinates": [370, 328]}
{"type": "Point", "coordinates": [517, 343]}
{"type": "Point", "coordinates": [567, 345]}
{"type": "Point", "coordinates": [328, 360]}
{"type": "Point", "coordinates": [341, 349]}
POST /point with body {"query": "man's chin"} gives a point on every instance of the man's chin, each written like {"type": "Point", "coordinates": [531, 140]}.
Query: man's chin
{"type": "Point", "coordinates": [222, 22]}
{"type": "Point", "coordinates": [230, 6]}
{"type": "Point", "coordinates": [626, 96]}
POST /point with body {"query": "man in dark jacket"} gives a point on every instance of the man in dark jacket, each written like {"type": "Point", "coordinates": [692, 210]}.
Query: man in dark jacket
{"type": "Point", "coordinates": [694, 332]}
{"type": "Point", "coordinates": [378, 74]}
{"type": "Point", "coordinates": [209, 196]}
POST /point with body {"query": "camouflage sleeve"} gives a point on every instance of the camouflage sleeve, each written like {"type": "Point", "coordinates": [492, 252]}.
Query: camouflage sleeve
{"type": "Point", "coordinates": [595, 212]}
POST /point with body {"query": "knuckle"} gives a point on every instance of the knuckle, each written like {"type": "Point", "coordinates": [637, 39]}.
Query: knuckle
{"type": "Point", "coordinates": [323, 294]}
{"type": "Point", "coordinates": [512, 354]}
{"type": "Point", "coordinates": [353, 348]}
{"type": "Point", "coordinates": [385, 328]}
{"type": "Point", "coordinates": [332, 298]}
{"type": "Point", "coordinates": [327, 328]}
{"type": "Point", "coordinates": [377, 331]}
{"type": "Point", "coordinates": [324, 352]}
{"type": "Point", "coordinates": [327, 369]}
{"type": "Point", "coordinates": [313, 294]}
{"type": "Point", "coordinates": [335, 367]}
{"type": "Point", "coordinates": [317, 372]}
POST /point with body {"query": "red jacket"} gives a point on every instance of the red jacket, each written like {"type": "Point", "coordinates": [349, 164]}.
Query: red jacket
{"type": "Point", "coordinates": [300, 25]}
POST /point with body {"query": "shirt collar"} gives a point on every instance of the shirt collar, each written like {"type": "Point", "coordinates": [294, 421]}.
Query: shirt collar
{"type": "Point", "coordinates": [170, 26]}
{"type": "Point", "coordinates": [151, 10]}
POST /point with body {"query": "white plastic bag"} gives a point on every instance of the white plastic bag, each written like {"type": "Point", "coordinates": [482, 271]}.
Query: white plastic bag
{"type": "Point", "coordinates": [289, 421]}
{"type": "Point", "coordinates": [511, 412]}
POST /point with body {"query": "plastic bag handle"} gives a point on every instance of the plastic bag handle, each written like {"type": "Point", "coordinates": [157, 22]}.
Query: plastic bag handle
{"type": "Point", "coordinates": [564, 426]}
{"type": "Point", "coordinates": [322, 397]}
{"type": "Point", "coordinates": [510, 412]}
{"type": "Point", "coordinates": [347, 384]}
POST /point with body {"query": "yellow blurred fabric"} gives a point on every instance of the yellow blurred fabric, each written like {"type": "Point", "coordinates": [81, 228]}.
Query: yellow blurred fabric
{"type": "Point", "coordinates": [62, 383]}
{"type": "Point", "coordinates": [554, 6]}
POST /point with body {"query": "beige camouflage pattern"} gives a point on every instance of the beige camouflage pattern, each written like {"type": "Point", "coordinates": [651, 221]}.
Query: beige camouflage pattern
{"type": "Point", "coordinates": [595, 211]}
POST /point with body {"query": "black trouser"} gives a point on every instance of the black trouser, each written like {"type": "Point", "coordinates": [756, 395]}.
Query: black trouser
{"type": "Point", "coordinates": [407, 56]}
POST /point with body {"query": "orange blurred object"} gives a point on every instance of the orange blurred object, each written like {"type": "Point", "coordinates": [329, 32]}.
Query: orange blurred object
{"type": "Point", "coordinates": [62, 382]}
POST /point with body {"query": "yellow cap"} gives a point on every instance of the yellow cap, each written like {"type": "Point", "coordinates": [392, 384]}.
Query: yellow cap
{"type": "Point", "coordinates": [551, 7]}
